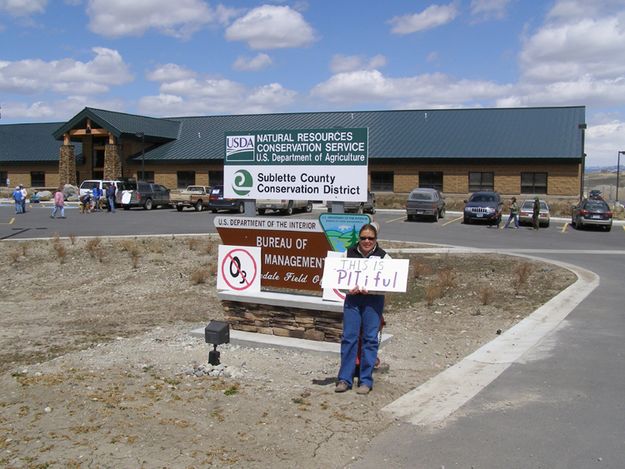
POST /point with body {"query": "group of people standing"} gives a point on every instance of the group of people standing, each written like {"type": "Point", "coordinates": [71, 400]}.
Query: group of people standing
{"type": "Point", "coordinates": [19, 196]}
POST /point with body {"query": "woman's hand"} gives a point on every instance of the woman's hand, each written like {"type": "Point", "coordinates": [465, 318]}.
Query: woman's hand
{"type": "Point", "coordinates": [358, 291]}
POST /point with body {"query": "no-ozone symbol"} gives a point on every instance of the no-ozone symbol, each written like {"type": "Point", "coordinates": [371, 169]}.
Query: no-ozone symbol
{"type": "Point", "coordinates": [239, 268]}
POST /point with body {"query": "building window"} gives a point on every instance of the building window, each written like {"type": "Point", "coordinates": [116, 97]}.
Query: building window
{"type": "Point", "coordinates": [215, 178]}
{"type": "Point", "coordinates": [382, 181]}
{"type": "Point", "coordinates": [148, 176]}
{"type": "Point", "coordinates": [4, 175]}
{"type": "Point", "coordinates": [185, 178]}
{"type": "Point", "coordinates": [431, 179]}
{"type": "Point", "coordinates": [37, 179]}
{"type": "Point", "coordinates": [533, 183]}
{"type": "Point", "coordinates": [481, 182]}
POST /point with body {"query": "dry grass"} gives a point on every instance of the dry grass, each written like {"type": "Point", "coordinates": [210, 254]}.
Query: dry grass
{"type": "Point", "coordinates": [194, 243]}
{"type": "Point", "coordinates": [72, 238]}
{"type": "Point", "coordinates": [447, 278]}
{"type": "Point", "coordinates": [433, 291]}
{"type": "Point", "coordinates": [486, 294]}
{"type": "Point", "coordinates": [59, 249]}
{"type": "Point", "coordinates": [420, 269]}
{"type": "Point", "coordinates": [14, 256]}
{"type": "Point", "coordinates": [200, 276]}
{"type": "Point", "coordinates": [522, 274]}
{"type": "Point", "coordinates": [92, 246]}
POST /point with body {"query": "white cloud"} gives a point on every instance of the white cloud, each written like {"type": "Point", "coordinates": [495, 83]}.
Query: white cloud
{"type": "Point", "coordinates": [603, 141]}
{"type": "Point", "coordinates": [170, 72]}
{"type": "Point", "coordinates": [349, 63]}
{"type": "Point", "coordinates": [23, 7]}
{"type": "Point", "coordinates": [258, 62]}
{"type": "Point", "coordinates": [61, 110]}
{"type": "Point", "coordinates": [66, 76]}
{"type": "Point", "coordinates": [568, 10]}
{"type": "Point", "coordinates": [271, 27]}
{"type": "Point", "coordinates": [115, 18]}
{"type": "Point", "coordinates": [422, 91]}
{"type": "Point", "coordinates": [215, 96]}
{"type": "Point", "coordinates": [432, 17]}
{"type": "Point", "coordinates": [489, 9]}
{"type": "Point", "coordinates": [594, 47]}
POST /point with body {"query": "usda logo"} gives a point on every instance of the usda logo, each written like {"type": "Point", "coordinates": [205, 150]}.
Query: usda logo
{"type": "Point", "coordinates": [240, 148]}
{"type": "Point", "coordinates": [242, 182]}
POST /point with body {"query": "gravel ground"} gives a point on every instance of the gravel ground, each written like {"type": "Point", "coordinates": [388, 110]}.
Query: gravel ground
{"type": "Point", "coordinates": [98, 369]}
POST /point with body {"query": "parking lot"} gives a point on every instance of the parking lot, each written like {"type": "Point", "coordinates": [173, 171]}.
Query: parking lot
{"type": "Point", "coordinates": [394, 225]}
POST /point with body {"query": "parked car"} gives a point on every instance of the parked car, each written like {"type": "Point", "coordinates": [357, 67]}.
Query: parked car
{"type": "Point", "coordinates": [425, 202]}
{"type": "Point", "coordinates": [283, 206]}
{"type": "Point", "coordinates": [357, 207]}
{"type": "Point", "coordinates": [592, 212]}
{"type": "Point", "coordinates": [527, 211]}
{"type": "Point", "coordinates": [141, 194]}
{"type": "Point", "coordinates": [217, 201]}
{"type": "Point", "coordinates": [195, 197]}
{"type": "Point", "coordinates": [483, 206]}
{"type": "Point", "coordinates": [595, 194]}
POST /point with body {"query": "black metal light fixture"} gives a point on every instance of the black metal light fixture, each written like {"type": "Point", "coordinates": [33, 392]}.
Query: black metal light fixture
{"type": "Point", "coordinates": [618, 172]}
{"type": "Point", "coordinates": [583, 128]}
{"type": "Point", "coordinates": [141, 135]}
{"type": "Point", "coordinates": [216, 333]}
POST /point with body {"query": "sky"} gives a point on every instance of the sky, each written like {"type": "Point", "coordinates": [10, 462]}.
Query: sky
{"type": "Point", "coordinates": [192, 57]}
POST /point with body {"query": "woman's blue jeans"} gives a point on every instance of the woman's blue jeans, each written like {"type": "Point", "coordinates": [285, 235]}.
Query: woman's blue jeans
{"type": "Point", "coordinates": [360, 313]}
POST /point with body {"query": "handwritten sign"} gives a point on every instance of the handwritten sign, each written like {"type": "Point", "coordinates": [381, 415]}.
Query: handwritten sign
{"type": "Point", "coordinates": [373, 274]}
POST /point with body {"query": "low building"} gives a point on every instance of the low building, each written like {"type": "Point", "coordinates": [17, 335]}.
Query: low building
{"type": "Point", "coordinates": [511, 150]}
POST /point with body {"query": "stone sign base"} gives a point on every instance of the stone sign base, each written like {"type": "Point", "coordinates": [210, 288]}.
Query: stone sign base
{"type": "Point", "coordinates": [283, 314]}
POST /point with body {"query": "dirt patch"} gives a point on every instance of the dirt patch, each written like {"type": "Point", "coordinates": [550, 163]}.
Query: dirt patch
{"type": "Point", "coordinates": [98, 368]}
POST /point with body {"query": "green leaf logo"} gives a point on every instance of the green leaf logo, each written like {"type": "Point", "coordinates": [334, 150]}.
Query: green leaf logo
{"type": "Point", "coordinates": [242, 182]}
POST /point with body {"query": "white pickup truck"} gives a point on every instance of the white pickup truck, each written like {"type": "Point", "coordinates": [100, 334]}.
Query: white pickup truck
{"type": "Point", "coordinates": [283, 206]}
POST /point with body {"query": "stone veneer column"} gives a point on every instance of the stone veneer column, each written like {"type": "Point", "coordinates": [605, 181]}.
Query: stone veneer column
{"type": "Point", "coordinates": [112, 161]}
{"type": "Point", "coordinates": [67, 165]}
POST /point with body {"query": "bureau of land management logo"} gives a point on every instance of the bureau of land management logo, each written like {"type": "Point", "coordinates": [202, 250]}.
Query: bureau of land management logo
{"type": "Point", "coordinates": [240, 148]}
{"type": "Point", "coordinates": [243, 182]}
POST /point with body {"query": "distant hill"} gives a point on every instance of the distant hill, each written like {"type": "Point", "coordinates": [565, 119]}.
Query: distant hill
{"type": "Point", "coordinates": [603, 169]}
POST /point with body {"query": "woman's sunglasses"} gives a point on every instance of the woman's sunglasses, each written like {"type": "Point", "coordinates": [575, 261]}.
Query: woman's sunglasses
{"type": "Point", "coordinates": [367, 238]}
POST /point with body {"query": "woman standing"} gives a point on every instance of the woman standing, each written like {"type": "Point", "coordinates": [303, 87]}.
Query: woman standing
{"type": "Point", "coordinates": [362, 314]}
{"type": "Point", "coordinates": [514, 214]}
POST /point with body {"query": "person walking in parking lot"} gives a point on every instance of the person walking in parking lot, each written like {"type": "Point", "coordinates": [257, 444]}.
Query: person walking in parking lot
{"type": "Point", "coordinates": [110, 195]}
{"type": "Point", "coordinates": [536, 214]}
{"type": "Point", "coordinates": [59, 203]}
{"type": "Point", "coordinates": [514, 214]}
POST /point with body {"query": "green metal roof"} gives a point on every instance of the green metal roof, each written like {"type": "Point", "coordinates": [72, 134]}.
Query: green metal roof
{"type": "Point", "coordinates": [120, 124]}
{"type": "Point", "coordinates": [495, 133]}
{"type": "Point", "coordinates": [31, 143]}
{"type": "Point", "coordinates": [501, 133]}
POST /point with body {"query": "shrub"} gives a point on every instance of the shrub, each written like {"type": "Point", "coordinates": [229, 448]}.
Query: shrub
{"type": "Point", "coordinates": [14, 256]}
{"type": "Point", "coordinates": [446, 278]}
{"type": "Point", "coordinates": [420, 269]}
{"type": "Point", "coordinates": [93, 246]}
{"type": "Point", "coordinates": [193, 243]}
{"type": "Point", "coordinates": [522, 273]}
{"type": "Point", "coordinates": [433, 291]}
{"type": "Point", "coordinates": [486, 294]}
{"type": "Point", "coordinates": [61, 252]}
{"type": "Point", "coordinates": [200, 276]}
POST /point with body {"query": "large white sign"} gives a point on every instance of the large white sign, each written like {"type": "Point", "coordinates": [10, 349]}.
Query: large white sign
{"type": "Point", "coordinates": [317, 164]}
{"type": "Point", "coordinates": [372, 274]}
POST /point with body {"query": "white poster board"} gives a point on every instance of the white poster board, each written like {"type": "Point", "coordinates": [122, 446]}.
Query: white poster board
{"type": "Point", "coordinates": [238, 268]}
{"type": "Point", "coordinates": [345, 273]}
